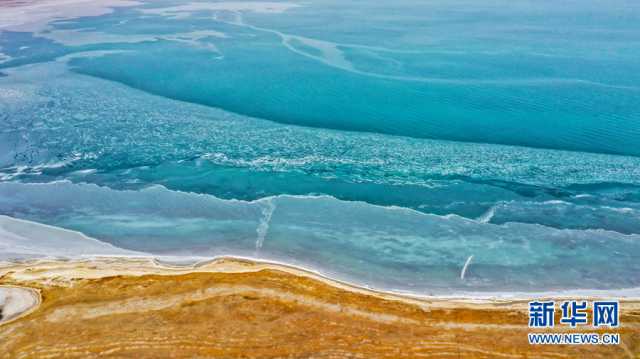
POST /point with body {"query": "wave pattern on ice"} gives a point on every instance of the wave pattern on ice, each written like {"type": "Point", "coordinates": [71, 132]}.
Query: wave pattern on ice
{"type": "Point", "coordinates": [388, 247]}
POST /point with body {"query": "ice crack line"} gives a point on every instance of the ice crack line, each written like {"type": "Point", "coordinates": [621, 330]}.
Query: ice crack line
{"type": "Point", "coordinates": [268, 206]}
{"type": "Point", "coordinates": [464, 268]}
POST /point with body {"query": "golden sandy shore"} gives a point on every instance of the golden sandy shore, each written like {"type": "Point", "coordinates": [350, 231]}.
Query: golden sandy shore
{"type": "Point", "coordinates": [119, 307]}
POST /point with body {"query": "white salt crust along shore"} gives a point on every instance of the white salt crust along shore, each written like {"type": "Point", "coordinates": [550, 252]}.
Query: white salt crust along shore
{"type": "Point", "coordinates": [25, 244]}
{"type": "Point", "coordinates": [16, 302]}
{"type": "Point", "coordinates": [61, 273]}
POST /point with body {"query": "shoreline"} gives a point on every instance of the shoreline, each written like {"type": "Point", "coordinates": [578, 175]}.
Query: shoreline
{"type": "Point", "coordinates": [234, 307]}
{"type": "Point", "coordinates": [164, 265]}
{"type": "Point", "coordinates": [79, 247]}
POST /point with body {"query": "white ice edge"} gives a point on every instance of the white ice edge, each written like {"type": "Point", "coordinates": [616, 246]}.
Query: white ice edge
{"type": "Point", "coordinates": [102, 250]}
{"type": "Point", "coordinates": [19, 236]}
{"type": "Point", "coordinates": [187, 262]}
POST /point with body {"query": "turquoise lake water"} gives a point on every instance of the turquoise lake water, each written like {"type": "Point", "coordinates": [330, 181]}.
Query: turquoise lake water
{"type": "Point", "coordinates": [384, 143]}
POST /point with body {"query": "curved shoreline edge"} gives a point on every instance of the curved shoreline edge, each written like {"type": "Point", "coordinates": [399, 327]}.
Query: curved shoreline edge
{"type": "Point", "coordinates": [64, 245]}
{"type": "Point", "coordinates": [231, 307]}
{"type": "Point", "coordinates": [97, 267]}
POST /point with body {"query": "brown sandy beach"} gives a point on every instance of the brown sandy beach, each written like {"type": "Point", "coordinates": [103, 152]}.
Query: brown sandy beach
{"type": "Point", "coordinates": [238, 308]}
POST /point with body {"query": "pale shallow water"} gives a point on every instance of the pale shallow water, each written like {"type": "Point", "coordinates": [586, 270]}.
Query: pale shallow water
{"type": "Point", "coordinates": [252, 128]}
